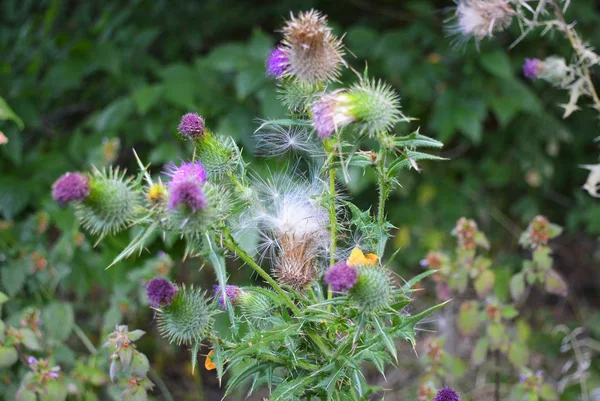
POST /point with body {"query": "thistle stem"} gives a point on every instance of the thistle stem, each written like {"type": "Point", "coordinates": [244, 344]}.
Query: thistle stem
{"type": "Point", "coordinates": [330, 147]}
{"type": "Point", "coordinates": [383, 190]}
{"type": "Point", "coordinates": [235, 248]}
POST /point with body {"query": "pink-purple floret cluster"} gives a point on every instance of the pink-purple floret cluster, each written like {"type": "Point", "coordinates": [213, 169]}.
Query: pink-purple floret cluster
{"type": "Point", "coordinates": [71, 187]}
{"type": "Point", "coordinates": [447, 394]}
{"type": "Point", "coordinates": [277, 62]}
{"type": "Point", "coordinates": [185, 185]}
{"type": "Point", "coordinates": [232, 292]}
{"type": "Point", "coordinates": [532, 68]}
{"type": "Point", "coordinates": [187, 171]}
{"type": "Point", "coordinates": [341, 277]}
{"type": "Point", "coordinates": [191, 125]}
{"type": "Point", "coordinates": [160, 292]}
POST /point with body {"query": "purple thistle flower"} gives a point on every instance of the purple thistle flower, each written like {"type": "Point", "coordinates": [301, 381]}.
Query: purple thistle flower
{"type": "Point", "coordinates": [532, 68]}
{"type": "Point", "coordinates": [341, 277]}
{"type": "Point", "coordinates": [331, 112]}
{"type": "Point", "coordinates": [233, 292]}
{"type": "Point", "coordinates": [71, 187]}
{"type": "Point", "coordinates": [160, 291]}
{"type": "Point", "coordinates": [447, 394]}
{"type": "Point", "coordinates": [277, 62]}
{"type": "Point", "coordinates": [186, 193]}
{"type": "Point", "coordinates": [191, 125]}
{"type": "Point", "coordinates": [187, 171]}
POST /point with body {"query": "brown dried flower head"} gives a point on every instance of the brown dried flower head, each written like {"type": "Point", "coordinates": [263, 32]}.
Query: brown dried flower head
{"type": "Point", "coordinates": [313, 52]}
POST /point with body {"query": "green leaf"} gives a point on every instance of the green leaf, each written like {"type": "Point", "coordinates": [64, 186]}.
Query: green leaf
{"type": "Point", "coordinates": [58, 320]}
{"type": "Point", "coordinates": [518, 354]}
{"type": "Point", "coordinates": [239, 377]}
{"type": "Point", "coordinates": [54, 390]}
{"type": "Point", "coordinates": [495, 332]}
{"type": "Point", "coordinates": [479, 354]}
{"type": "Point", "coordinates": [555, 284]}
{"type": "Point", "coordinates": [30, 340]}
{"type": "Point", "coordinates": [145, 98]}
{"type": "Point", "coordinates": [8, 356]}
{"type": "Point", "coordinates": [6, 113]}
{"type": "Point", "coordinates": [3, 298]}
{"type": "Point", "coordinates": [14, 197]}
{"type": "Point", "coordinates": [288, 389]}
{"type": "Point", "coordinates": [218, 263]}
{"type": "Point", "coordinates": [416, 140]}
{"type": "Point", "coordinates": [484, 283]}
{"type": "Point", "coordinates": [509, 312]}
{"type": "Point", "coordinates": [497, 63]}
{"type": "Point", "coordinates": [13, 276]}
{"type": "Point", "coordinates": [139, 364]}
{"type": "Point", "coordinates": [548, 393]}
{"type": "Point", "coordinates": [249, 81]}
{"type": "Point", "coordinates": [517, 286]}
{"type": "Point", "coordinates": [113, 116]}
{"type": "Point", "coordinates": [25, 395]}
{"type": "Point", "coordinates": [407, 287]}
{"type": "Point", "coordinates": [387, 339]}
{"type": "Point", "coordinates": [468, 318]}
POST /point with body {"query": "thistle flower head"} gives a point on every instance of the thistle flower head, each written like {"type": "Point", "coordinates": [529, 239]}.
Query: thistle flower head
{"type": "Point", "coordinates": [187, 193]}
{"type": "Point", "coordinates": [191, 125]}
{"type": "Point", "coordinates": [331, 112]}
{"type": "Point", "coordinates": [532, 68]}
{"type": "Point", "coordinates": [373, 288]}
{"type": "Point", "coordinates": [373, 105]}
{"type": "Point", "coordinates": [188, 318]}
{"type": "Point", "coordinates": [277, 62]}
{"type": "Point", "coordinates": [111, 204]}
{"type": "Point", "coordinates": [314, 54]}
{"type": "Point", "coordinates": [71, 187]}
{"type": "Point", "coordinates": [256, 307]}
{"type": "Point", "coordinates": [295, 264]}
{"type": "Point", "coordinates": [447, 394]}
{"type": "Point", "coordinates": [482, 18]}
{"type": "Point", "coordinates": [186, 171]}
{"type": "Point", "coordinates": [160, 291]}
{"type": "Point", "coordinates": [341, 277]}
{"type": "Point", "coordinates": [233, 292]}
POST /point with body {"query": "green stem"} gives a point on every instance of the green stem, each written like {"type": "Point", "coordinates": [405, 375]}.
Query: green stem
{"type": "Point", "coordinates": [383, 189]}
{"type": "Point", "coordinates": [161, 385]}
{"type": "Point", "coordinates": [330, 147]}
{"type": "Point", "coordinates": [234, 247]}
{"type": "Point", "coordinates": [319, 342]}
{"type": "Point", "coordinates": [84, 339]}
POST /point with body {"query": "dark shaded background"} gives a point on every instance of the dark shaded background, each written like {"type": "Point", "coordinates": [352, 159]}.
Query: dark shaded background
{"type": "Point", "coordinates": [92, 80]}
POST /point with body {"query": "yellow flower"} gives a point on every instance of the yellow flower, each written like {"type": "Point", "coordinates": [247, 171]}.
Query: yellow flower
{"type": "Point", "coordinates": [208, 364]}
{"type": "Point", "coordinates": [358, 258]}
{"type": "Point", "coordinates": [156, 193]}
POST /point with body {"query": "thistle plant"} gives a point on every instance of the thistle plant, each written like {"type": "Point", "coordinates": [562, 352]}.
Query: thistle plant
{"type": "Point", "coordinates": [332, 301]}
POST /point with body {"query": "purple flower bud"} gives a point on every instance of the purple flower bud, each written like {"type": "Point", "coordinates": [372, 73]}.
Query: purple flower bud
{"type": "Point", "coordinates": [341, 277]}
{"type": "Point", "coordinates": [424, 262]}
{"type": "Point", "coordinates": [277, 62]}
{"type": "Point", "coordinates": [539, 374]}
{"type": "Point", "coordinates": [53, 375]}
{"type": "Point", "coordinates": [233, 292]}
{"type": "Point", "coordinates": [532, 68]}
{"type": "Point", "coordinates": [330, 113]}
{"type": "Point", "coordinates": [187, 193]}
{"type": "Point", "coordinates": [71, 187]}
{"type": "Point", "coordinates": [447, 394]}
{"type": "Point", "coordinates": [191, 125]}
{"type": "Point", "coordinates": [187, 171]}
{"type": "Point", "coordinates": [523, 378]}
{"type": "Point", "coordinates": [160, 292]}
{"type": "Point", "coordinates": [31, 360]}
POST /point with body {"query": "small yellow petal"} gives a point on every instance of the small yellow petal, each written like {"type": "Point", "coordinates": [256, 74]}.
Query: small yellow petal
{"type": "Point", "coordinates": [357, 258]}
{"type": "Point", "coordinates": [372, 259]}
{"type": "Point", "coordinates": [208, 364]}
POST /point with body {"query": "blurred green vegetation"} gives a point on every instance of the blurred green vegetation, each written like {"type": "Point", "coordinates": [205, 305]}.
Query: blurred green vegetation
{"type": "Point", "coordinates": [90, 81]}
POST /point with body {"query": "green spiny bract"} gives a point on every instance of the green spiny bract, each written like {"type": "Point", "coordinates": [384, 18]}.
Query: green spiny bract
{"type": "Point", "coordinates": [111, 205]}
{"type": "Point", "coordinates": [256, 307]}
{"type": "Point", "coordinates": [375, 105]}
{"type": "Point", "coordinates": [373, 289]}
{"type": "Point", "coordinates": [188, 319]}
{"type": "Point", "coordinates": [218, 154]}
{"type": "Point", "coordinates": [298, 95]}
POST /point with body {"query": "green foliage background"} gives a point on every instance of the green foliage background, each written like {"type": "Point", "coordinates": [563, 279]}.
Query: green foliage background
{"type": "Point", "coordinates": [92, 80]}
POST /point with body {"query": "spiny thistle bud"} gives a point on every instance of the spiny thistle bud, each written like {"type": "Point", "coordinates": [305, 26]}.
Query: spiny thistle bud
{"type": "Point", "coordinates": [257, 307]}
{"type": "Point", "coordinates": [186, 171]}
{"type": "Point", "coordinates": [188, 194]}
{"type": "Point", "coordinates": [71, 187]}
{"type": "Point", "coordinates": [218, 154]}
{"type": "Point", "coordinates": [188, 318]}
{"type": "Point", "coordinates": [298, 95]}
{"type": "Point", "coordinates": [447, 394]}
{"type": "Point", "coordinates": [314, 54]}
{"type": "Point", "coordinates": [341, 277]}
{"type": "Point", "coordinates": [277, 62]}
{"type": "Point", "coordinates": [374, 106]}
{"type": "Point", "coordinates": [191, 125]}
{"type": "Point", "coordinates": [232, 292]}
{"type": "Point", "coordinates": [373, 288]}
{"type": "Point", "coordinates": [482, 18]}
{"type": "Point", "coordinates": [532, 68]}
{"type": "Point", "coordinates": [160, 291]}
{"type": "Point", "coordinates": [111, 204]}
